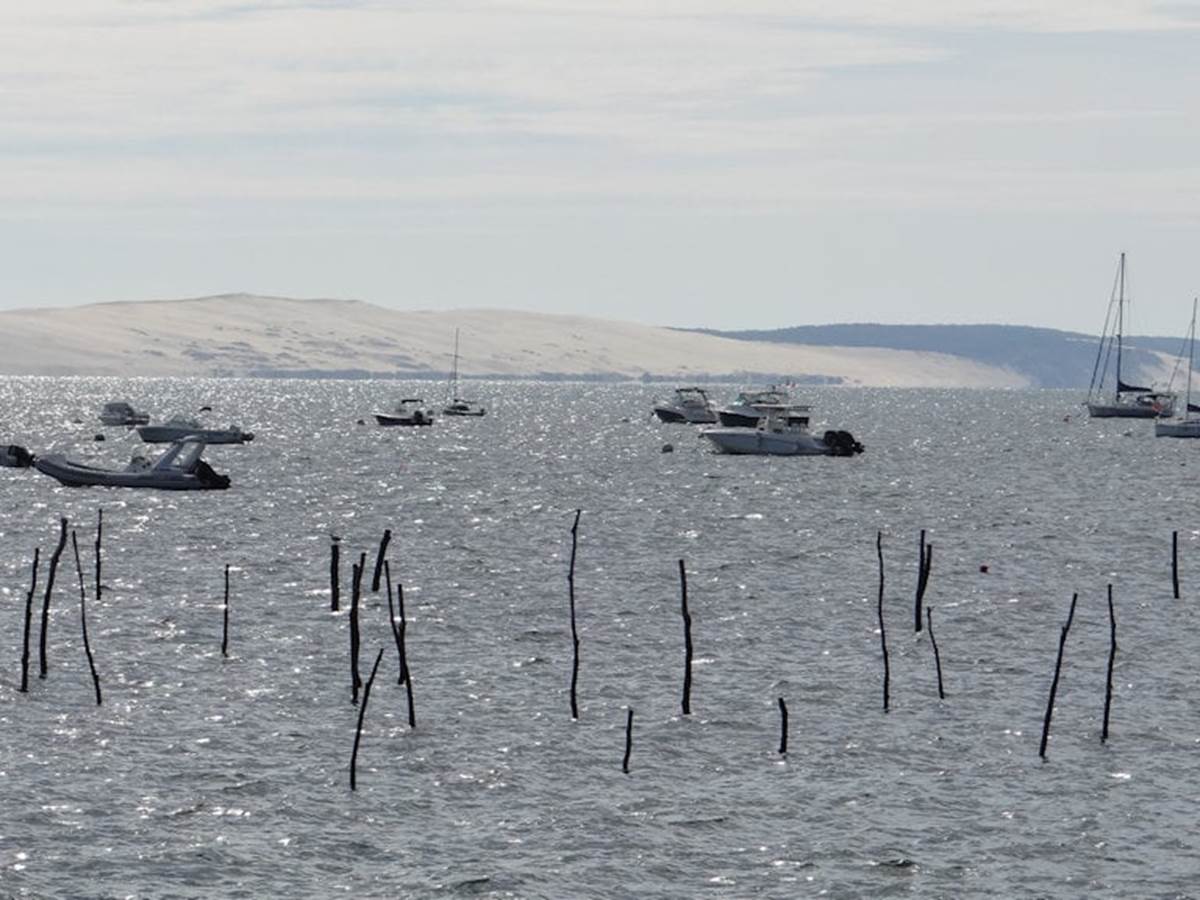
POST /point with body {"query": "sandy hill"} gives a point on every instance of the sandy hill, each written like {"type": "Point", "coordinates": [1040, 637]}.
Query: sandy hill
{"type": "Point", "coordinates": [240, 334]}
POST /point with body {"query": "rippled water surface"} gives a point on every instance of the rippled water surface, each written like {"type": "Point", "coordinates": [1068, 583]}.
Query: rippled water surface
{"type": "Point", "coordinates": [208, 776]}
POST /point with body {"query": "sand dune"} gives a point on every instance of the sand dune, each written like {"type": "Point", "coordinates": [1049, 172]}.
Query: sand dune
{"type": "Point", "coordinates": [240, 334]}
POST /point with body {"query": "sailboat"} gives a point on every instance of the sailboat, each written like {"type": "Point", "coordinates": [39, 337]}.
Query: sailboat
{"type": "Point", "coordinates": [457, 406]}
{"type": "Point", "coordinates": [1128, 401]}
{"type": "Point", "coordinates": [1187, 425]}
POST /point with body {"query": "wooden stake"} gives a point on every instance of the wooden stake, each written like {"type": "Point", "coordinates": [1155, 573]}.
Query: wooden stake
{"type": "Point", "coordinates": [1062, 642]}
{"type": "Point", "coordinates": [628, 740]}
{"type": "Point", "coordinates": [406, 671]}
{"type": "Point", "coordinates": [937, 657]}
{"type": "Point", "coordinates": [225, 625]}
{"type": "Point", "coordinates": [387, 576]}
{"type": "Point", "coordinates": [99, 534]}
{"type": "Point", "coordinates": [87, 647]}
{"type": "Point", "coordinates": [574, 631]}
{"type": "Point", "coordinates": [920, 583]}
{"type": "Point", "coordinates": [383, 545]}
{"type": "Point", "coordinates": [28, 622]}
{"type": "Point", "coordinates": [1112, 656]}
{"type": "Point", "coordinates": [783, 727]}
{"type": "Point", "coordinates": [362, 713]}
{"type": "Point", "coordinates": [62, 543]}
{"type": "Point", "coordinates": [687, 642]}
{"type": "Point", "coordinates": [882, 629]}
{"type": "Point", "coordinates": [1175, 563]}
{"type": "Point", "coordinates": [335, 588]}
{"type": "Point", "coordinates": [355, 593]}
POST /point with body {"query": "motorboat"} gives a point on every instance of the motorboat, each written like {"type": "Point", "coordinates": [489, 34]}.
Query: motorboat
{"type": "Point", "coordinates": [782, 431]}
{"type": "Point", "coordinates": [690, 405]}
{"type": "Point", "coordinates": [119, 412]}
{"type": "Point", "coordinates": [180, 468]}
{"type": "Point", "coordinates": [747, 409]}
{"type": "Point", "coordinates": [178, 427]}
{"type": "Point", "coordinates": [1128, 401]}
{"type": "Point", "coordinates": [411, 411]}
{"type": "Point", "coordinates": [458, 406]}
{"type": "Point", "coordinates": [14, 456]}
{"type": "Point", "coordinates": [1188, 424]}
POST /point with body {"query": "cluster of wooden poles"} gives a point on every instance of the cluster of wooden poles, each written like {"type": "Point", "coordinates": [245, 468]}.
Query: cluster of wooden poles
{"type": "Point", "coordinates": [399, 624]}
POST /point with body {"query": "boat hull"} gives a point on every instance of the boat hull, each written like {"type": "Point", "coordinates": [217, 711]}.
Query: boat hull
{"type": "Point", "coordinates": [752, 442]}
{"type": "Point", "coordinates": [1189, 428]}
{"type": "Point", "coordinates": [1123, 411]}
{"type": "Point", "coordinates": [77, 475]}
{"type": "Point", "coordinates": [685, 416]}
{"type": "Point", "coordinates": [167, 434]}
{"type": "Point", "coordinates": [404, 421]}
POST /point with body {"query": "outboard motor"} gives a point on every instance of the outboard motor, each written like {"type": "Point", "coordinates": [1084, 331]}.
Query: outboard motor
{"type": "Point", "coordinates": [16, 457]}
{"type": "Point", "coordinates": [841, 443]}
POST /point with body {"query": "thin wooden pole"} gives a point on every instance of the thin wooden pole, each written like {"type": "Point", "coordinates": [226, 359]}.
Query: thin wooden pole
{"type": "Point", "coordinates": [87, 647]}
{"type": "Point", "coordinates": [1112, 656]}
{"type": "Point", "coordinates": [1062, 642]}
{"type": "Point", "coordinates": [920, 583]}
{"type": "Point", "coordinates": [28, 622]}
{"type": "Point", "coordinates": [574, 630]}
{"type": "Point", "coordinates": [335, 587]}
{"type": "Point", "coordinates": [225, 623]}
{"type": "Point", "coordinates": [355, 594]}
{"type": "Point", "coordinates": [937, 657]}
{"type": "Point", "coordinates": [628, 740]}
{"type": "Point", "coordinates": [783, 727]}
{"type": "Point", "coordinates": [387, 577]}
{"type": "Point", "coordinates": [687, 641]}
{"type": "Point", "coordinates": [62, 543]}
{"type": "Point", "coordinates": [407, 670]}
{"type": "Point", "coordinates": [1175, 563]}
{"type": "Point", "coordinates": [362, 713]}
{"type": "Point", "coordinates": [99, 535]}
{"type": "Point", "coordinates": [383, 545]}
{"type": "Point", "coordinates": [882, 628]}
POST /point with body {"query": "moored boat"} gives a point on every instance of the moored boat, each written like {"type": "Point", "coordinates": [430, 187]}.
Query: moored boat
{"type": "Point", "coordinates": [782, 431]}
{"type": "Point", "coordinates": [690, 405]}
{"type": "Point", "coordinates": [179, 427]}
{"type": "Point", "coordinates": [179, 468]}
{"type": "Point", "coordinates": [118, 412]}
{"type": "Point", "coordinates": [749, 407]}
{"type": "Point", "coordinates": [1188, 424]}
{"type": "Point", "coordinates": [411, 411]}
{"type": "Point", "coordinates": [457, 406]}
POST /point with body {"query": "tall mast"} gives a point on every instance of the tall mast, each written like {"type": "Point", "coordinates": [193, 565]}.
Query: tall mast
{"type": "Point", "coordinates": [454, 370]}
{"type": "Point", "coordinates": [1120, 318]}
{"type": "Point", "coordinates": [1187, 403]}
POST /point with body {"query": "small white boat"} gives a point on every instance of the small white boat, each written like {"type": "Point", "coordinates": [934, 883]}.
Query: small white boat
{"type": "Point", "coordinates": [458, 406]}
{"type": "Point", "coordinates": [782, 431]}
{"type": "Point", "coordinates": [14, 456]}
{"type": "Point", "coordinates": [180, 468]}
{"type": "Point", "coordinates": [179, 427]}
{"type": "Point", "coordinates": [411, 411]}
{"type": "Point", "coordinates": [691, 405]}
{"type": "Point", "coordinates": [1188, 424]}
{"type": "Point", "coordinates": [749, 407]}
{"type": "Point", "coordinates": [121, 413]}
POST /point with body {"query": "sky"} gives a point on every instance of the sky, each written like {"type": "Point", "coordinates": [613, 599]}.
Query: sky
{"type": "Point", "coordinates": [739, 164]}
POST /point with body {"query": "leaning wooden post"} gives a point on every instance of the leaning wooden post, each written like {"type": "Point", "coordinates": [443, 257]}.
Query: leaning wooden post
{"type": "Point", "coordinates": [406, 671]}
{"type": "Point", "coordinates": [920, 583]}
{"type": "Point", "coordinates": [574, 631]}
{"type": "Point", "coordinates": [87, 647]}
{"type": "Point", "coordinates": [1175, 563]}
{"type": "Point", "coordinates": [1112, 656]}
{"type": "Point", "coordinates": [882, 629]}
{"type": "Point", "coordinates": [99, 534]}
{"type": "Point", "coordinates": [225, 623]}
{"type": "Point", "coordinates": [937, 657]}
{"type": "Point", "coordinates": [628, 740]}
{"type": "Point", "coordinates": [362, 712]}
{"type": "Point", "coordinates": [383, 545]}
{"type": "Point", "coordinates": [783, 727]}
{"type": "Point", "coordinates": [387, 577]}
{"type": "Point", "coordinates": [1062, 642]}
{"type": "Point", "coordinates": [28, 622]}
{"type": "Point", "coordinates": [335, 588]}
{"type": "Point", "coordinates": [62, 543]}
{"type": "Point", "coordinates": [687, 641]}
{"type": "Point", "coordinates": [355, 592]}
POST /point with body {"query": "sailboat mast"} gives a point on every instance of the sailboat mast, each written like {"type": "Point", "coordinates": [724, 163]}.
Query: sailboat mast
{"type": "Point", "coordinates": [1120, 318]}
{"type": "Point", "coordinates": [1187, 403]}
{"type": "Point", "coordinates": [454, 369]}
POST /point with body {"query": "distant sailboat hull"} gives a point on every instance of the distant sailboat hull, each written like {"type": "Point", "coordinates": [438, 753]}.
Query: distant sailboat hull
{"type": "Point", "coordinates": [1127, 411]}
{"type": "Point", "coordinates": [1188, 428]}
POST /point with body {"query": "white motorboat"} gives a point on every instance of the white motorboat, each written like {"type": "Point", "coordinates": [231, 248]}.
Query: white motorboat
{"type": "Point", "coordinates": [179, 427]}
{"type": "Point", "coordinates": [14, 456]}
{"type": "Point", "coordinates": [458, 406]}
{"type": "Point", "coordinates": [1188, 424]}
{"type": "Point", "coordinates": [411, 411]}
{"type": "Point", "coordinates": [782, 431]}
{"type": "Point", "coordinates": [1128, 401]}
{"type": "Point", "coordinates": [691, 405]}
{"type": "Point", "coordinates": [180, 468]}
{"type": "Point", "coordinates": [119, 412]}
{"type": "Point", "coordinates": [748, 408]}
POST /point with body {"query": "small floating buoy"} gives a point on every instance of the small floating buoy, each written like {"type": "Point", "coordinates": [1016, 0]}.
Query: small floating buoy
{"type": "Point", "coordinates": [361, 422]}
{"type": "Point", "coordinates": [668, 448]}
{"type": "Point", "coordinates": [983, 569]}
{"type": "Point", "coordinates": [206, 409]}
{"type": "Point", "coordinates": [99, 437]}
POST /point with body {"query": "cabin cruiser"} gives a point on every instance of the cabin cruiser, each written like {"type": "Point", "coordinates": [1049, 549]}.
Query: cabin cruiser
{"type": "Point", "coordinates": [747, 409]}
{"type": "Point", "coordinates": [460, 407]}
{"type": "Point", "coordinates": [782, 431]}
{"type": "Point", "coordinates": [14, 456]}
{"type": "Point", "coordinates": [179, 427]}
{"type": "Point", "coordinates": [691, 405]}
{"type": "Point", "coordinates": [121, 413]}
{"type": "Point", "coordinates": [411, 411]}
{"type": "Point", "coordinates": [180, 468]}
